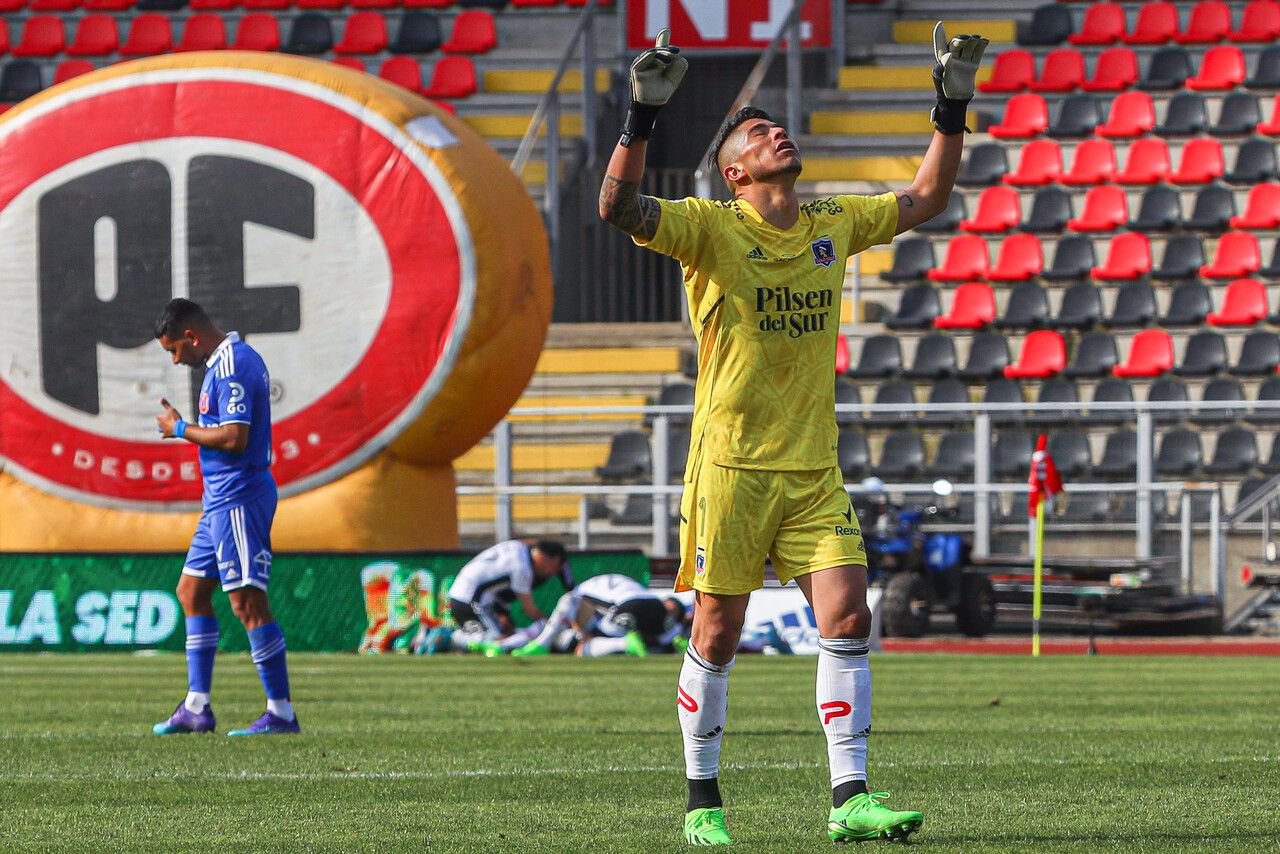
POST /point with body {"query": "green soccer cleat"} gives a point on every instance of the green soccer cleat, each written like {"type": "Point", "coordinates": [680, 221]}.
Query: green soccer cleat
{"type": "Point", "coordinates": [862, 817]}
{"type": "Point", "coordinates": [635, 645]}
{"type": "Point", "coordinates": [531, 648]}
{"type": "Point", "coordinates": [705, 827]}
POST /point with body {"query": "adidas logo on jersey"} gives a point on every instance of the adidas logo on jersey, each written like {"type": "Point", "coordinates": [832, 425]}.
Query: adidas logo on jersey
{"type": "Point", "coordinates": [756, 254]}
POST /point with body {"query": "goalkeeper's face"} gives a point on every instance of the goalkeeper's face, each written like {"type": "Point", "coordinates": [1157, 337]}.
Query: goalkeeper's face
{"type": "Point", "coordinates": [760, 151]}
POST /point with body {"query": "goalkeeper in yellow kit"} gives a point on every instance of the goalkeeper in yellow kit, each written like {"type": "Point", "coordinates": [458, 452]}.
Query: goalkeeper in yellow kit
{"type": "Point", "coordinates": [764, 276]}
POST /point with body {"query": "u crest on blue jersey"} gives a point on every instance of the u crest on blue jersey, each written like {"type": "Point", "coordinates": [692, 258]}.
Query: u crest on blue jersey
{"type": "Point", "coordinates": [824, 251]}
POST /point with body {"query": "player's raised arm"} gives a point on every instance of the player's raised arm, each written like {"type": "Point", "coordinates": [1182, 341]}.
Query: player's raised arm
{"type": "Point", "coordinates": [954, 73]}
{"type": "Point", "coordinates": [655, 75]}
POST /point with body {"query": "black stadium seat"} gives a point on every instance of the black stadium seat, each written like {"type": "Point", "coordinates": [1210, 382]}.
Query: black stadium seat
{"type": "Point", "coordinates": [309, 34]}
{"type": "Point", "coordinates": [901, 457]}
{"type": "Point", "coordinates": [984, 167]}
{"type": "Point", "coordinates": [1272, 271]}
{"type": "Point", "coordinates": [891, 393]}
{"type": "Point", "coordinates": [949, 220]}
{"type": "Point", "coordinates": [1135, 305]}
{"type": "Point", "coordinates": [947, 390]}
{"type": "Point", "coordinates": [675, 394]}
{"type": "Point", "coordinates": [1070, 452]}
{"type": "Point", "coordinates": [1168, 390]}
{"type": "Point", "coordinates": [1086, 507]}
{"type": "Point", "coordinates": [1189, 304]}
{"type": "Point", "coordinates": [419, 32]}
{"type": "Point", "coordinates": [1160, 210]}
{"type": "Point", "coordinates": [917, 307]}
{"type": "Point", "coordinates": [1072, 259]}
{"type": "Point", "coordinates": [1238, 116]}
{"type": "Point", "coordinates": [1248, 486]}
{"type": "Point", "coordinates": [847, 392]}
{"type": "Point", "coordinates": [1259, 354]}
{"type": "Point", "coordinates": [1050, 211]}
{"type": "Point", "coordinates": [1119, 456]}
{"type": "Point", "coordinates": [1111, 390]}
{"type": "Point", "coordinates": [1266, 73]}
{"type": "Point", "coordinates": [1077, 116]}
{"type": "Point", "coordinates": [629, 456]}
{"type": "Point", "coordinates": [1127, 506]}
{"type": "Point", "coordinates": [19, 80]}
{"type": "Point", "coordinates": [1219, 388]}
{"type": "Point", "coordinates": [853, 453]}
{"type": "Point", "coordinates": [1028, 308]}
{"type": "Point", "coordinates": [935, 357]}
{"type": "Point", "coordinates": [1056, 390]}
{"type": "Point", "coordinates": [1214, 207]}
{"type": "Point", "coordinates": [1255, 162]}
{"type": "Point", "coordinates": [1183, 257]}
{"type": "Point", "coordinates": [988, 356]}
{"type": "Point", "coordinates": [1081, 307]}
{"type": "Point", "coordinates": [881, 356]}
{"type": "Point", "coordinates": [1268, 392]}
{"type": "Point", "coordinates": [912, 259]}
{"type": "Point", "coordinates": [1271, 465]}
{"type": "Point", "coordinates": [1011, 454]}
{"type": "Point", "coordinates": [1186, 115]}
{"type": "Point", "coordinates": [1179, 453]}
{"type": "Point", "coordinates": [1050, 24]}
{"type": "Point", "coordinates": [953, 458]}
{"type": "Point", "coordinates": [1096, 354]}
{"type": "Point", "coordinates": [1169, 69]}
{"type": "Point", "coordinates": [1003, 390]}
{"type": "Point", "coordinates": [1206, 354]}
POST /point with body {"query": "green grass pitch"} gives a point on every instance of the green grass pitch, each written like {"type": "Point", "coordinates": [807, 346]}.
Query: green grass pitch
{"type": "Point", "coordinates": [460, 754]}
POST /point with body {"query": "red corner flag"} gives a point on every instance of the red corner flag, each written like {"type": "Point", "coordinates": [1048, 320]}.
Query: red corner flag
{"type": "Point", "coordinates": [1044, 480]}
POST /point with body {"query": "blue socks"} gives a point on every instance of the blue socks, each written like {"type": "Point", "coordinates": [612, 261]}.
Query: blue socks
{"type": "Point", "coordinates": [267, 649]}
{"type": "Point", "coordinates": [202, 646]}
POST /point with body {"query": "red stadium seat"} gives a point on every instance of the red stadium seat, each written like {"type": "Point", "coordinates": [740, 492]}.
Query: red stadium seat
{"type": "Point", "coordinates": [1148, 163]}
{"type": "Point", "coordinates": [1019, 259]}
{"type": "Point", "coordinates": [9, 6]}
{"type": "Point", "coordinates": [1094, 163]}
{"type": "Point", "coordinates": [69, 68]}
{"type": "Point", "coordinates": [1025, 116]}
{"type": "Point", "coordinates": [365, 32]}
{"type": "Point", "coordinates": [1210, 22]}
{"type": "Point", "coordinates": [452, 77]}
{"type": "Point", "coordinates": [1132, 114]}
{"type": "Point", "coordinates": [107, 5]}
{"type": "Point", "coordinates": [1040, 164]}
{"type": "Point", "coordinates": [1261, 210]}
{"type": "Point", "coordinates": [1043, 354]}
{"type": "Point", "coordinates": [1222, 68]}
{"type": "Point", "coordinates": [999, 210]}
{"type": "Point", "coordinates": [1271, 127]}
{"type": "Point", "coordinates": [1115, 71]}
{"type": "Point", "coordinates": [42, 35]}
{"type": "Point", "coordinates": [1243, 304]}
{"type": "Point", "coordinates": [534, 3]}
{"type": "Point", "coordinates": [1106, 208]}
{"type": "Point", "coordinates": [374, 4]}
{"type": "Point", "coordinates": [403, 71]}
{"type": "Point", "coordinates": [202, 32]}
{"type": "Point", "coordinates": [1063, 71]}
{"type": "Point", "coordinates": [1237, 254]}
{"type": "Point", "coordinates": [1201, 162]}
{"type": "Point", "coordinates": [1260, 22]}
{"type": "Point", "coordinates": [4, 36]}
{"type": "Point", "coordinates": [257, 31]}
{"type": "Point", "coordinates": [95, 36]}
{"type": "Point", "coordinates": [1128, 257]}
{"type": "Point", "coordinates": [966, 260]}
{"type": "Point", "coordinates": [350, 62]}
{"type": "Point", "coordinates": [318, 5]}
{"type": "Point", "coordinates": [473, 32]}
{"type": "Point", "coordinates": [1157, 24]}
{"type": "Point", "coordinates": [149, 34]}
{"type": "Point", "coordinates": [842, 354]}
{"type": "Point", "coordinates": [1013, 71]}
{"type": "Point", "coordinates": [1103, 24]}
{"type": "Point", "coordinates": [212, 5]}
{"type": "Point", "coordinates": [54, 5]}
{"type": "Point", "coordinates": [265, 5]}
{"type": "Point", "coordinates": [427, 4]}
{"type": "Point", "coordinates": [1150, 355]}
{"type": "Point", "coordinates": [973, 306]}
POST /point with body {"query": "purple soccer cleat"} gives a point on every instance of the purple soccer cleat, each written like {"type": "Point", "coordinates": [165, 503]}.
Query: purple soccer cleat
{"type": "Point", "coordinates": [269, 724]}
{"type": "Point", "coordinates": [184, 720]}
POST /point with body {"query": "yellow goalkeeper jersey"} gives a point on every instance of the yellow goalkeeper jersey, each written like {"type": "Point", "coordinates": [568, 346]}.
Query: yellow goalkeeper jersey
{"type": "Point", "coordinates": [765, 308]}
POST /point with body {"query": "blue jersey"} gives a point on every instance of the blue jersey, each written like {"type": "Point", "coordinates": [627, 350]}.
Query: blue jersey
{"type": "Point", "coordinates": [236, 390]}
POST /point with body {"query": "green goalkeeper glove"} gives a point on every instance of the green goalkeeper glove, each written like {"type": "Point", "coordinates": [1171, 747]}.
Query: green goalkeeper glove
{"type": "Point", "coordinates": [655, 76]}
{"type": "Point", "coordinates": [953, 77]}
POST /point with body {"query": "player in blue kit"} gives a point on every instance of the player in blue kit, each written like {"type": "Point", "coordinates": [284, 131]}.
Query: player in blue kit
{"type": "Point", "coordinates": [232, 542]}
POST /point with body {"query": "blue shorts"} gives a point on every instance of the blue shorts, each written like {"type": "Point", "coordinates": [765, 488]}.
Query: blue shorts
{"type": "Point", "coordinates": [234, 545]}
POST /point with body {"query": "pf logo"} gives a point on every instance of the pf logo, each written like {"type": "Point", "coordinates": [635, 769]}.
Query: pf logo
{"type": "Point", "coordinates": [315, 217]}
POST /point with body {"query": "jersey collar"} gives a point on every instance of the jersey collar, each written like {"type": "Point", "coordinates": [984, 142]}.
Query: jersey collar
{"type": "Point", "coordinates": [232, 338]}
{"type": "Point", "coordinates": [747, 209]}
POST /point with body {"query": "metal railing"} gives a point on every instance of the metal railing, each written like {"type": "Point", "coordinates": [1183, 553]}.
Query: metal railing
{"type": "Point", "coordinates": [548, 110]}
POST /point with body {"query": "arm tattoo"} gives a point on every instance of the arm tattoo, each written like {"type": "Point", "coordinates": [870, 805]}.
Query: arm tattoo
{"type": "Point", "coordinates": [622, 205]}
{"type": "Point", "coordinates": [906, 198]}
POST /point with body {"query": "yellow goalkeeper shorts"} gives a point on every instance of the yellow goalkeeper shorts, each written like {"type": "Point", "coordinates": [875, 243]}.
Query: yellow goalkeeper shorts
{"type": "Point", "coordinates": [731, 518]}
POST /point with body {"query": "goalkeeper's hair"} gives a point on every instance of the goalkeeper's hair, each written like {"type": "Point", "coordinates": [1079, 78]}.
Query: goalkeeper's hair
{"type": "Point", "coordinates": [731, 124]}
{"type": "Point", "coordinates": [178, 316]}
{"type": "Point", "coordinates": [551, 549]}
